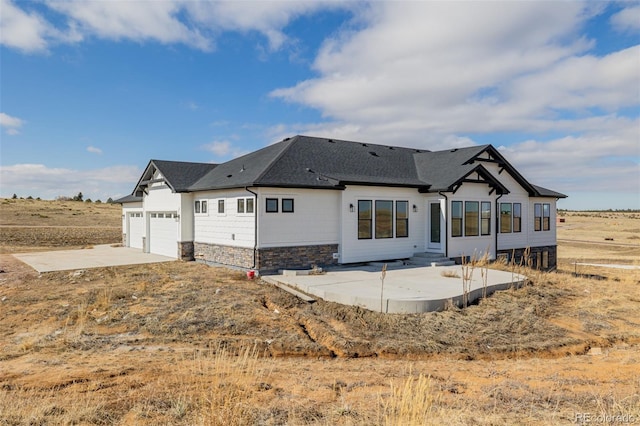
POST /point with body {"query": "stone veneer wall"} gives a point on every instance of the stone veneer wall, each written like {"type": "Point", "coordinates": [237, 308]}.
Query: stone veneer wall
{"type": "Point", "coordinates": [124, 240]}
{"type": "Point", "coordinates": [185, 250]}
{"type": "Point", "coordinates": [227, 255]}
{"type": "Point", "coordinates": [274, 258]}
{"type": "Point", "coordinates": [267, 259]}
{"type": "Point", "coordinates": [536, 256]}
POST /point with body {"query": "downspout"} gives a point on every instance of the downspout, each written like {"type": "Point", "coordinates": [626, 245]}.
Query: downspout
{"type": "Point", "coordinates": [446, 215]}
{"type": "Point", "coordinates": [255, 226]}
{"type": "Point", "coordinates": [498, 224]}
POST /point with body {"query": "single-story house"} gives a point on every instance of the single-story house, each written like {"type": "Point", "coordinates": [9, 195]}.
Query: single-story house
{"type": "Point", "coordinates": [314, 201]}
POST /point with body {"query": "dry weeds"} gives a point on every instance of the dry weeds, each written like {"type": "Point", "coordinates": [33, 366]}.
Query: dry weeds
{"type": "Point", "coordinates": [183, 343]}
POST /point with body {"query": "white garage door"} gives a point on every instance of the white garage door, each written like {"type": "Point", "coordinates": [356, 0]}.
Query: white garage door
{"type": "Point", "coordinates": [136, 230]}
{"type": "Point", "coordinates": [163, 234]}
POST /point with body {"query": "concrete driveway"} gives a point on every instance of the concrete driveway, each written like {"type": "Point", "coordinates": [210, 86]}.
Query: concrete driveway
{"type": "Point", "coordinates": [98, 256]}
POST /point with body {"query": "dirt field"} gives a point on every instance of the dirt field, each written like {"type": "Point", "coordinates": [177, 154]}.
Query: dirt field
{"type": "Point", "coordinates": [183, 343]}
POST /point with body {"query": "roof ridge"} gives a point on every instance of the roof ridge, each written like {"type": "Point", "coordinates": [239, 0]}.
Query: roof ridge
{"type": "Point", "coordinates": [289, 142]}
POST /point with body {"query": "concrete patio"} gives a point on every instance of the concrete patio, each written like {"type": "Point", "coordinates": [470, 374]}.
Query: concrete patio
{"type": "Point", "coordinates": [406, 290]}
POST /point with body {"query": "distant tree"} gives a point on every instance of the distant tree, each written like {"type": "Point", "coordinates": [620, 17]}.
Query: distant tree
{"type": "Point", "coordinates": [88, 200]}
{"type": "Point", "coordinates": [63, 198]}
{"type": "Point", "coordinates": [14, 197]}
{"type": "Point", "coordinates": [78, 197]}
{"type": "Point", "coordinates": [98, 201]}
{"type": "Point", "coordinates": [29, 197]}
{"type": "Point", "coordinates": [110, 200]}
{"type": "Point", "coordinates": [38, 198]}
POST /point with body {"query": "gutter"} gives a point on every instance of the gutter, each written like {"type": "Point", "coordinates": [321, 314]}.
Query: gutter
{"type": "Point", "coordinates": [255, 226]}
{"type": "Point", "coordinates": [446, 215]}
{"type": "Point", "coordinates": [498, 224]}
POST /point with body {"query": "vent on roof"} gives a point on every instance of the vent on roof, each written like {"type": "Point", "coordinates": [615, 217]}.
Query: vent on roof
{"type": "Point", "coordinates": [309, 170]}
{"type": "Point", "coordinates": [418, 151]}
{"type": "Point", "coordinates": [375, 154]}
{"type": "Point", "coordinates": [454, 150]}
{"type": "Point", "coordinates": [331, 141]}
{"type": "Point", "coordinates": [364, 144]}
{"type": "Point", "coordinates": [391, 147]}
{"type": "Point", "coordinates": [285, 139]}
{"type": "Point", "coordinates": [242, 169]}
{"type": "Point", "coordinates": [229, 176]}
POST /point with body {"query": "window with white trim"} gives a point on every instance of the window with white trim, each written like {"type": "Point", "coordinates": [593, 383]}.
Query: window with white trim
{"type": "Point", "coordinates": [220, 206]}
{"type": "Point", "coordinates": [456, 218]}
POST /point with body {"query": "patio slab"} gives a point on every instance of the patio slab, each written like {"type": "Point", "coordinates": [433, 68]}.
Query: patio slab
{"type": "Point", "coordinates": [406, 290]}
{"type": "Point", "coordinates": [96, 257]}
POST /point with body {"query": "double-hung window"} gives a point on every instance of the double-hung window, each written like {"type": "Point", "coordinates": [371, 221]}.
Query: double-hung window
{"type": "Point", "coordinates": [537, 217]}
{"type": "Point", "coordinates": [240, 205]}
{"type": "Point", "coordinates": [485, 218]}
{"type": "Point", "coordinates": [365, 220]}
{"type": "Point", "coordinates": [402, 219]}
{"type": "Point", "coordinates": [220, 206]}
{"type": "Point", "coordinates": [546, 217]}
{"type": "Point", "coordinates": [197, 206]}
{"type": "Point", "coordinates": [456, 218]}
{"type": "Point", "coordinates": [517, 217]}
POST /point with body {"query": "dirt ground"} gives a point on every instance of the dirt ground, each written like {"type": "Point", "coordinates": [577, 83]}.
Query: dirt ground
{"type": "Point", "coordinates": [183, 343]}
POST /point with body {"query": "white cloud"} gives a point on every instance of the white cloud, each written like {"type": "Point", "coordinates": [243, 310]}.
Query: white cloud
{"type": "Point", "coordinates": [38, 180]}
{"type": "Point", "coordinates": [218, 148]}
{"type": "Point", "coordinates": [10, 124]}
{"type": "Point", "coordinates": [22, 30]}
{"type": "Point", "coordinates": [29, 31]}
{"type": "Point", "coordinates": [94, 150]}
{"type": "Point", "coordinates": [427, 74]}
{"type": "Point", "coordinates": [627, 20]}
{"type": "Point", "coordinates": [192, 23]}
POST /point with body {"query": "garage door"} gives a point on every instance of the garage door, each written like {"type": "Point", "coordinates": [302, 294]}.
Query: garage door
{"type": "Point", "coordinates": [136, 230]}
{"type": "Point", "coordinates": [163, 234]}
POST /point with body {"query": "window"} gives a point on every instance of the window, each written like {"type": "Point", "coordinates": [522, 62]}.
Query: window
{"type": "Point", "coordinates": [471, 218]}
{"type": "Point", "coordinates": [517, 217]}
{"type": "Point", "coordinates": [456, 218]}
{"type": "Point", "coordinates": [287, 205]}
{"type": "Point", "coordinates": [203, 203]}
{"type": "Point", "coordinates": [240, 205]}
{"type": "Point", "coordinates": [384, 219]}
{"type": "Point", "coordinates": [546, 217]}
{"type": "Point", "coordinates": [249, 205]}
{"type": "Point", "coordinates": [537, 217]}
{"type": "Point", "coordinates": [220, 206]}
{"type": "Point", "coordinates": [402, 219]}
{"type": "Point", "coordinates": [197, 206]}
{"type": "Point", "coordinates": [271, 205]}
{"type": "Point", "coordinates": [505, 218]}
{"type": "Point", "coordinates": [365, 219]}
{"type": "Point", "coordinates": [485, 219]}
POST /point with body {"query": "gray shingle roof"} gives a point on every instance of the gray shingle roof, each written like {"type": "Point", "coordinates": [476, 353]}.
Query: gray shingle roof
{"type": "Point", "coordinates": [312, 162]}
{"type": "Point", "coordinates": [181, 175]}
{"type": "Point", "coordinates": [128, 199]}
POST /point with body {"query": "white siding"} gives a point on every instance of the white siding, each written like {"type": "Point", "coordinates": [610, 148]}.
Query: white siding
{"type": "Point", "coordinates": [542, 238]}
{"type": "Point", "coordinates": [229, 228]}
{"type": "Point", "coordinates": [354, 250]}
{"type": "Point", "coordinates": [315, 220]}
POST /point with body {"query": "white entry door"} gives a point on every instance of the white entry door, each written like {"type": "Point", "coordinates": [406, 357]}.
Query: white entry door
{"type": "Point", "coordinates": [136, 230]}
{"type": "Point", "coordinates": [163, 234]}
{"type": "Point", "coordinates": [435, 229]}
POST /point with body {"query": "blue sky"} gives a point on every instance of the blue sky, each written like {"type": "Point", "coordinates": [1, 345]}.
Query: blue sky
{"type": "Point", "coordinates": [91, 90]}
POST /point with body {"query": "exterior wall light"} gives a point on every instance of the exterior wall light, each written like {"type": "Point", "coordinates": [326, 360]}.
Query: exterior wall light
{"type": "Point", "coordinates": [415, 208]}
{"type": "Point", "coordinates": [351, 208]}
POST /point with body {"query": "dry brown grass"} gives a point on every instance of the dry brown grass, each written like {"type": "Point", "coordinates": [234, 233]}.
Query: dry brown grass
{"type": "Point", "coordinates": [183, 343]}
